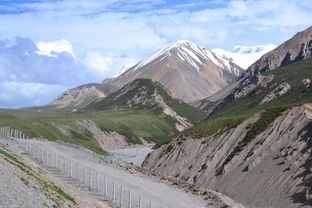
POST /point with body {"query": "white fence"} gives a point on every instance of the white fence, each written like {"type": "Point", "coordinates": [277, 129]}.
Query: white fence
{"type": "Point", "coordinates": [108, 187]}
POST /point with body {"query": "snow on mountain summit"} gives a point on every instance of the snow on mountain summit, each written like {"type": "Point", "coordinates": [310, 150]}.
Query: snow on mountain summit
{"type": "Point", "coordinates": [244, 56]}
{"type": "Point", "coordinates": [188, 71]}
{"type": "Point", "coordinates": [191, 53]}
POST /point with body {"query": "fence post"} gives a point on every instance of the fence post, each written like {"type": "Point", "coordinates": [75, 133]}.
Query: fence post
{"type": "Point", "coordinates": [140, 202]}
{"type": "Point", "coordinates": [121, 195]}
{"type": "Point", "coordinates": [85, 175]}
{"type": "Point", "coordinates": [130, 198]}
{"type": "Point", "coordinates": [97, 181]}
{"type": "Point", "coordinates": [114, 194]}
{"type": "Point", "coordinates": [71, 168]}
{"type": "Point", "coordinates": [55, 162]}
{"type": "Point", "coordinates": [105, 185]}
{"type": "Point", "coordinates": [90, 178]}
{"type": "Point", "coordinates": [61, 163]}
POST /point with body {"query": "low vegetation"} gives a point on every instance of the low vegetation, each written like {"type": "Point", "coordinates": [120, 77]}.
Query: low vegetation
{"type": "Point", "coordinates": [111, 114]}
{"type": "Point", "coordinates": [156, 127]}
{"type": "Point", "coordinates": [213, 126]}
{"type": "Point", "coordinates": [240, 109]}
{"type": "Point", "coordinates": [292, 74]}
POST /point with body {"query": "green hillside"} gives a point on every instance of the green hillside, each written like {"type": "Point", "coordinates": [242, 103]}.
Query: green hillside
{"type": "Point", "coordinates": [143, 90]}
{"type": "Point", "coordinates": [113, 114]}
{"type": "Point", "coordinates": [234, 112]}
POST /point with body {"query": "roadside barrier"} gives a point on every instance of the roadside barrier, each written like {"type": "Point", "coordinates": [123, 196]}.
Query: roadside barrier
{"type": "Point", "coordinates": [111, 189]}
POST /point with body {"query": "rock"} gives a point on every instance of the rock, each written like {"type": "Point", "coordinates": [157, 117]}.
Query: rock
{"type": "Point", "coordinates": [306, 82]}
{"type": "Point", "coordinates": [277, 92]}
{"type": "Point", "coordinates": [255, 84]}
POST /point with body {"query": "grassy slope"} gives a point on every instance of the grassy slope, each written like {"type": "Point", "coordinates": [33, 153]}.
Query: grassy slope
{"type": "Point", "coordinates": [109, 114]}
{"type": "Point", "coordinates": [110, 102]}
{"type": "Point", "coordinates": [238, 110]}
{"type": "Point", "coordinates": [132, 124]}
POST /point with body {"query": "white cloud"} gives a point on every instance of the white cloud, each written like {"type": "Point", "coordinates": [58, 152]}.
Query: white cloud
{"type": "Point", "coordinates": [103, 64]}
{"type": "Point", "coordinates": [128, 63]}
{"type": "Point", "coordinates": [21, 94]}
{"type": "Point", "coordinates": [110, 36]}
{"type": "Point", "coordinates": [98, 62]}
{"type": "Point", "coordinates": [58, 46]}
{"type": "Point", "coordinates": [244, 56]}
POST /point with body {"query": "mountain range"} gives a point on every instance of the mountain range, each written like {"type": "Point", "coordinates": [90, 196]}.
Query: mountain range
{"type": "Point", "coordinates": [244, 133]}
{"type": "Point", "coordinates": [255, 145]}
{"type": "Point", "coordinates": [187, 70]}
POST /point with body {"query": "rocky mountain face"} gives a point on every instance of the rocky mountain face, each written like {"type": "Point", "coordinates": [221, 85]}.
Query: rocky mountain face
{"type": "Point", "coordinates": [188, 71]}
{"type": "Point", "coordinates": [299, 47]}
{"type": "Point", "coordinates": [79, 97]}
{"type": "Point", "coordinates": [266, 169]}
{"type": "Point", "coordinates": [144, 94]}
{"type": "Point", "coordinates": [256, 148]}
{"type": "Point", "coordinates": [293, 50]}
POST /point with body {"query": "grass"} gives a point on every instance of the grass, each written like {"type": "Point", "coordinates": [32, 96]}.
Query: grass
{"type": "Point", "coordinates": [169, 149]}
{"type": "Point", "coordinates": [24, 181]}
{"type": "Point", "coordinates": [293, 74]}
{"type": "Point", "coordinates": [63, 193]}
{"type": "Point", "coordinates": [134, 124]}
{"type": "Point", "coordinates": [236, 111]}
{"type": "Point", "coordinates": [111, 114]}
{"type": "Point", "coordinates": [120, 100]}
{"type": "Point", "coordinates": [213, 126]}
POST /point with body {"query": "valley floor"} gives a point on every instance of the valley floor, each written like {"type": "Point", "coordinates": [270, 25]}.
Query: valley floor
{"type": "Point", "coordinates": [151, 188]}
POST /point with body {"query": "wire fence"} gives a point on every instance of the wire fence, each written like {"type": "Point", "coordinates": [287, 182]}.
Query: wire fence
{"type": "Point", "coordinates": [111, 189]}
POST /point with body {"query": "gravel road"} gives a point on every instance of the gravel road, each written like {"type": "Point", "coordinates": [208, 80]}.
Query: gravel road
{"type": "Point", "coordinates": [150, 188]}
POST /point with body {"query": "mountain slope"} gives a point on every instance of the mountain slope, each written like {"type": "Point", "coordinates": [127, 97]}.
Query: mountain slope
{"type": "Point", "coordinates": [299, 47]}
{"type": "Point", "coordinates": [144, 94]}
{"type": "Point", "coordinates": [272, 170]}
{"type": "Point", "coordinates": [79, 97]}
{"type": "Point", "coordinates": [257, 148]}
{"type": "Point", "coordinates": [188, 71]}
{"type": "Point", "coordinates": [293, 50]}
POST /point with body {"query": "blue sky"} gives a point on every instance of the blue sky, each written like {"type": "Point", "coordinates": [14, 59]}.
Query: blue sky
{"type": "Point", "coordinates": [105, 36]}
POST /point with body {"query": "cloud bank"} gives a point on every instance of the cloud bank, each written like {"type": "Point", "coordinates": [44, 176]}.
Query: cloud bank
{"type": "Point", "coordinates": [74, 42]}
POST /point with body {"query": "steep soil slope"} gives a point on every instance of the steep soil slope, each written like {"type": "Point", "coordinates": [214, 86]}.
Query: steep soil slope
{"type": "Point", "coordinates": [268, 168]}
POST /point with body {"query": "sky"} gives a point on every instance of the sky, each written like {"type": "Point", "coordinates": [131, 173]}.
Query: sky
{"type": "Point", "coordinates": [48, 46]}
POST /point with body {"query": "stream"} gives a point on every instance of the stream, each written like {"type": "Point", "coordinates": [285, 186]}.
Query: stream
{"type": "Point", "coordinates": [135, 155]}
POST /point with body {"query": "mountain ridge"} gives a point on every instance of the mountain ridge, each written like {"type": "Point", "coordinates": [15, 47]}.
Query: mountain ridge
{"type": "Point", "coordinates": [144, 94]}
{"type": "Point", "coordinates": [298, 47]}
{"type": "Point", "coordinates": [188, 71]}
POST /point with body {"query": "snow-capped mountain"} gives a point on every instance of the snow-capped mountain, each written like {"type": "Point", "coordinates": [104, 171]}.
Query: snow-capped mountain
{"type": "Point", "coordinates": [244, 56]}
{"type": "Point", "coordinates": [188, 71]}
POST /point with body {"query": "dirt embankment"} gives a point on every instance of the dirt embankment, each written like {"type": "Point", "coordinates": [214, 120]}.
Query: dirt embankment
{"type": "Point", "coordinates": [273, 170]}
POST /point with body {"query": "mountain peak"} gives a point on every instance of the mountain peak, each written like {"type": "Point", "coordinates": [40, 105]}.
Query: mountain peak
{"type": "Point", "coordinates": [297, 48]}
{"type": "Point", "coordinates": [165, 51]}
{"type": "Point", "coordinates": [179, 43]}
